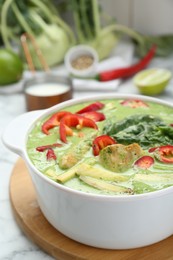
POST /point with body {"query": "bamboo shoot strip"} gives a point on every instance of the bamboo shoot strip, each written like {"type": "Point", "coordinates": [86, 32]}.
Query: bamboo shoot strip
{"type": "Point", "coordinates": [66, 176]}
{"type": "Point", "coordinates": [102, 185]}
{"type": "Point", "coordinates": [98, 173]}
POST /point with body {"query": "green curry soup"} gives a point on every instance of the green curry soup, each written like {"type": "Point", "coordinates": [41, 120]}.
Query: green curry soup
{"type": "Point", "coordinates": [112, 147]}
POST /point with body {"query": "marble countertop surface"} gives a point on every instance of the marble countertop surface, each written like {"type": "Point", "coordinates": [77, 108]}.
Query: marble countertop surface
{"type": "Point", "coordinates": [13, 242]}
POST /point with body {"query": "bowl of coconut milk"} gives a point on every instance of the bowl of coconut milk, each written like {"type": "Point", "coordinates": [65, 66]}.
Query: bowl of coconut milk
{"type": "Point", "coordinates": [46, 90]}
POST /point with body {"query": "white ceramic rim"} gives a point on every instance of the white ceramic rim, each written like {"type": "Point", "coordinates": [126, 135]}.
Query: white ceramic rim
{"type": "Point", "coordinates": [116, 198]}
{"type": "Point", "coordinates": [91, 70]}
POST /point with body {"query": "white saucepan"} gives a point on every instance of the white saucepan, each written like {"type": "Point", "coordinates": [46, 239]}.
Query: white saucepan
{"type": "Point", "coordinates": [110, 222]}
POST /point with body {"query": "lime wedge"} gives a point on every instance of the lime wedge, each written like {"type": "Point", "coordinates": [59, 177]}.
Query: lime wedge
{"type": "Point", "coordinates": [152, 81]}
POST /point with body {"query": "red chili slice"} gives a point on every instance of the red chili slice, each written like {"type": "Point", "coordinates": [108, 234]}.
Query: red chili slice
{"type": "Point", "coordinates": [53, 121]}
{"type": "Point", "coordinates": [151, 150]}
{"type": "Point", "coordinates": [92, 107]}
{"type": "Point", "coordinates": [50, 154]}
{"type": "Point", "coordinates": [94, 115]}
{"type": "Point", "coordinates": [101, 142]}
{"type": "Point", "coordinates": [45, 147]}
{"type": "Point", "coordinates": [74, 121]}
{"type": "Point", "coordinates": [144, 162]}
{"type": "Point", "coordinates": [134, 103]}
{"type": "Point", "coordinates": [164, 153]}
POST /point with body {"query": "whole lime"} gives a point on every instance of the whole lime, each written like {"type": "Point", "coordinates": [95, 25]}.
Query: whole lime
{"type": "Point", "coordinates": [11, 67]}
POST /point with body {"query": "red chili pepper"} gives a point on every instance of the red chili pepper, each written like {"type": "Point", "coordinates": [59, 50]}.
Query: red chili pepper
{"type": "Point", "coordinates": [92, 107]}
{"type": "Point", "coordinates": [144, 162]}
{"type": "Point", "coordinates": [74, 121]}
{"type": "Point", "coordinates": [101, 142]}
{"type": "Point", "coordinates": [134, 103]}
{"type": "Point", "coordinates": [94, 115]}
{"type": "Point", "coordinates": [164, 153]}
{"type": "Point", "coordinates": [128, 71]}
{"type": "Point", "coordinates": [53, 121]}
{"type": "Point", "coordinates": [45, 147]}
{"type": "Point", "coordinates": [50, 154]}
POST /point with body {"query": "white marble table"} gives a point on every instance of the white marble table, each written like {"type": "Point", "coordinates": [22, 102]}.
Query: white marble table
{"type": "Point", "coordinates": [13, 242]}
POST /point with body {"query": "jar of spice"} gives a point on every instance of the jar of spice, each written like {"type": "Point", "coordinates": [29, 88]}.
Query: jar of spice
{"type": "Point", "coordinates": [81, 61]}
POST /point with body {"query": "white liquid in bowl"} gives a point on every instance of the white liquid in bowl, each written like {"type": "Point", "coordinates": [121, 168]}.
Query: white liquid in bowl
{"type": "Point", "coordinates": [47, 89]}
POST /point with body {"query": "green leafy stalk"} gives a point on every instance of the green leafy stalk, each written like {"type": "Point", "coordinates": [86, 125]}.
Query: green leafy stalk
{"type": "Point", "coordinates": [66, 28]}
{"type": "Point", "coordinates": [21, 19]}
{"type": "Point", "coordinates": [86, 22]}
{"type": "Point", "coordinates": [44, 26]}
{"type": "Point", "coordinates": [54, 18]}
{"type": "Point", "coordinates": [96, 17]}
{"type": "Point", "coordinates": [87, 19]}
{"type": "Point", "coordinates": [76, 17]}
{"type": "Point", "coordinates": [124, 30]}
{"type": "Point", "coordinates": [44, 9]}
{"type": "Point", "coordinates": [4, 27]}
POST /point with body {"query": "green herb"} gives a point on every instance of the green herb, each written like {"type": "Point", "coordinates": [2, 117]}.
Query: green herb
{"type": "Point", "coordinates": [146, 130]}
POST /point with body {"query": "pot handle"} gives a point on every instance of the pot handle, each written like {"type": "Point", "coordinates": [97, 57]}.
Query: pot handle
{"type": "Point", "coordinates": [14, 134]}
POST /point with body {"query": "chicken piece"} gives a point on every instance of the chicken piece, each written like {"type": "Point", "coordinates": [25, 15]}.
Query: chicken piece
{"type": "Point", "coordinates": [69, 160]}
{"type": "Point", "coordinates": [76, 152]}
{"type": "Point", "coordinates": [118, 157]}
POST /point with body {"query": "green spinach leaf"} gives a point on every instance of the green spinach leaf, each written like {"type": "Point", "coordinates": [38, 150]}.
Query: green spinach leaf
{"type": "Point", "coordinates": [146, 130]}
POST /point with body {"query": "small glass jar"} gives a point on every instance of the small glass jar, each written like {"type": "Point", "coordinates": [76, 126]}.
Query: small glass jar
{"type": "Point", "coordinates": [46, 90]}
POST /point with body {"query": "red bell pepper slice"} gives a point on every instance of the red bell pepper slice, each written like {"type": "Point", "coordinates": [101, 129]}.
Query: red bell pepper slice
{"type": "Point", "coordinates": [94, 115]}
{"type": "Point", "coordinates": [101, 142]}
{"type": "Point", "coordinates": [144, 162]}
{"type": "Point", "coordinates": [133, 103]}
{"type": "Point", "coordinates": [164, 153]}
{"type": "Point", "coordinates": [86, 122]}
{"type": "Point", "coordinates": [64, 132]}
{"type": "Point", "coordinates": [45, 147]}
{"type": "Point", "coordinates": [53, 121]}
{"type": "Point", "coordinates": [92, 107]}
{"type": "Point", "coordinates": [73, 120]}
{"type": "Point", "coordinates": [51, 154]}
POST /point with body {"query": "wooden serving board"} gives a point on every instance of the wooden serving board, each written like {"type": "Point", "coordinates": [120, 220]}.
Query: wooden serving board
{"type": "Point", "coordinates": [31, 220]}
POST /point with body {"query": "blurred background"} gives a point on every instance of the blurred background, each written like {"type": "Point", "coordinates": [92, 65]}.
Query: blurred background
{"type": "Point", "coordinates": [146, 16]}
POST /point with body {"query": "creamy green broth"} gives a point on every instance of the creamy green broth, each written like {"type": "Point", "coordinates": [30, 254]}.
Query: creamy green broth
{"type": "Point", "coordinates": [114, 112]}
